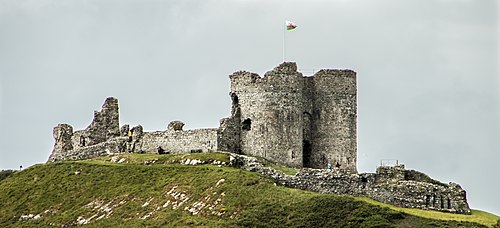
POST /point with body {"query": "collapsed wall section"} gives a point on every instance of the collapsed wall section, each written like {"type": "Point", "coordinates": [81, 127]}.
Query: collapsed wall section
{"type": "Point", "coordinates": [104, 126]}
{"type": "Point", "coordinates": [229, 132]}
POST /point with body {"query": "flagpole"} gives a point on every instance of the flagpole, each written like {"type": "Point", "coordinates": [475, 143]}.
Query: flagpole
{"type": "Point", "coordinates": [284, 42]}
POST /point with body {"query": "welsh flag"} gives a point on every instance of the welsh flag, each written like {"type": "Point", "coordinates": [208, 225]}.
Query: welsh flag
{"type": "Point", "coordinates": [290, 25]}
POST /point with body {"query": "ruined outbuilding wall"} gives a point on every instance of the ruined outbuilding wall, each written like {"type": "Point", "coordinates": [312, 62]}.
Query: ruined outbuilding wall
{"type": "Point", "coordinates": [178, 141]}
{"type": "Point", "coordinates": [75, 145]}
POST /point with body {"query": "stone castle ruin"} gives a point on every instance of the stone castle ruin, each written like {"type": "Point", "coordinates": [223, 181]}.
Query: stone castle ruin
{"type": "Point", "coordinates": [291, 119]}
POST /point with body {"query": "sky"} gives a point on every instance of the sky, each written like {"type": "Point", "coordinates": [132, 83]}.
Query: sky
{"type": "Point", "coordinates": [427, 71]}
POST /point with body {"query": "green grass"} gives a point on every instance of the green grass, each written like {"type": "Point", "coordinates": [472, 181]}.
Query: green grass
{"type": "Point", "coordinates": [476, 216]}
{"type": "Point", "coordinates": [287, 170]}
{"type": "Point", "coordinates": [63, 192]}
{"type": "Point", "coordinates": [165, 159]}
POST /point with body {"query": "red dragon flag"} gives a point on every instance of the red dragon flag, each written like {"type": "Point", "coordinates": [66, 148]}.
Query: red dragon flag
{"type": "Point", "coordinates": [290, 25]}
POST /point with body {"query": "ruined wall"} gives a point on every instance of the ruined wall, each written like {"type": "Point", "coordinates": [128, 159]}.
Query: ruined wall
{"type": "Point", "coordinates": [229, 132]}
{"type": "Point", "coordinates": [62, 135]}
{"type": "Point", "coordinates": [387, 186]}
{"type": "Point", "coordinates": [104, 126]}
{"type": "Point", "coordinates": [271, 113]}
{"type": "Point", "coordinates": [112, 146]}
{"type": "Point", "coordinates": [178, 141]}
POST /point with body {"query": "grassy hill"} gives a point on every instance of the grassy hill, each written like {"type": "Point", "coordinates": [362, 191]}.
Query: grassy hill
{"type": "Point", "coordinates": [133, 190]}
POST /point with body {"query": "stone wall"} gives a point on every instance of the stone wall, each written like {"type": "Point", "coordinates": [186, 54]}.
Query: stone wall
{"type": "Point", "coordinates": [228, 134]}
{"type": "Point", "coordinates": [105, 126]}
{"type": "Point", "coordinates": [178, 141]}
{"type": "Point", "coordinates": [385, 186]}
{"type": "Point", "coordinates": [112, 146]}
{"type": "Point", "coordinates": [62, 136]}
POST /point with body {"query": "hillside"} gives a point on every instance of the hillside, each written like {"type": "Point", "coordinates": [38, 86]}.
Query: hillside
{"type": "Point", "coordinates": [156, 190]}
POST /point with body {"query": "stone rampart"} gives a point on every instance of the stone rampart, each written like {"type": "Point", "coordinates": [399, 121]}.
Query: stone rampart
{"type": "Point", "coordinates": [390, 189]}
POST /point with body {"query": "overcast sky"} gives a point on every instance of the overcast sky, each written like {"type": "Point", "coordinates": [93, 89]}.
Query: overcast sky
{"type": "Point", "coordinates": [428, 72]}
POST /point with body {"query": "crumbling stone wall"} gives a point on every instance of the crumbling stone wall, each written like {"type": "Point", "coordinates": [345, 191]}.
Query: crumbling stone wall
{"type": "Point", "coordinates": [62, 135]}
{"type": "Point", "coordinates": [175, 140]}
{"type": "Point", "coordinates": [387, 186]}
{"type": "Point", "coordinates": [105, 125]}
{"type": "Point", "coordinates": [102, 131]}
{"type": "Point", "coordinates": [104, 137]}
{"type": "Point", "coordinates": [228, 134]}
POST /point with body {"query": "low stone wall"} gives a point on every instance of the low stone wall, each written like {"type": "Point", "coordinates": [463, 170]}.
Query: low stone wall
{"type": "Point", "coordinates": [178, 141]}
{"type": "Point", "coordinates": [112, 146]}
{"type": "Point", "coordinates": [403, 193]}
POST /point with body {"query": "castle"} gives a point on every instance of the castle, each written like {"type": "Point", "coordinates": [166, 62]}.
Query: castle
{"type": "Point", "coordinates": [285, 117]}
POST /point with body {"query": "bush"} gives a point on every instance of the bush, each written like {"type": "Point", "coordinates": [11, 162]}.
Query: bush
{"type": "Point", "coordinates": [5, 173]}
{"type": "Point", "coordinates": [497, 225]}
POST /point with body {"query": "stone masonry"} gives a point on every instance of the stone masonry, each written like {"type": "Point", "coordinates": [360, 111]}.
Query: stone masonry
{"type": "Point", "coordinates": [291, 119]}
{"type": "Point", "coordinates": [285, 117]}
{"type": "Point", "coordinates": [390, 184]}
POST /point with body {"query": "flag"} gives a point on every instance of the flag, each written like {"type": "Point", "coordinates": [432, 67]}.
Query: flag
{"type": "Point", "coordinates": [290, 25]}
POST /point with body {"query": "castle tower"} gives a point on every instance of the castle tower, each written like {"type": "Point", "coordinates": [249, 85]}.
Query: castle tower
{"type": "Point", "coordinates": [270, 113]}
{"type": "Point", "coordinates": [333, 118]}
{"type": "Point", "coordinates": [294, 120]}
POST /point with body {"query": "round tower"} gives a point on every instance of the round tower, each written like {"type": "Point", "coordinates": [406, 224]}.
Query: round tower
{"type": "Point", "coordinates": [334, 115]}
{"type": "Point", "coordinates": [271, 113]}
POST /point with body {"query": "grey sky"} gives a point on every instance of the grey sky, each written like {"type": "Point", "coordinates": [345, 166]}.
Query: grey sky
{"type": "Point", "coordinates": [428, 77]}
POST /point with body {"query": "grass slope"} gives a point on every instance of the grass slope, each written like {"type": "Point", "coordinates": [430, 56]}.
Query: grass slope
{"type": "Point", "coordinates": [100, 193]}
